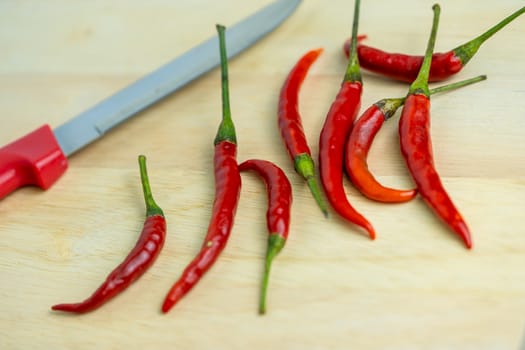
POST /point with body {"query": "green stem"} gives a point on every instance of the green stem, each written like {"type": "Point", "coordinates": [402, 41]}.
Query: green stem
{"type": "Point", "coordinates": [353, 71]}
{"type": "Point", "coordinates": [457, 85]}
{"type": "Point", "coordinates": [316, 193]}
{"type": "Point", "coordinates": [304, 165]}
{"type": "Point", "coordinates": [389, 106]}
{"type": "Point", "coordinates": [226, 130]}
{"type": "Point", "coordinates": [469, 49]}
{"type": "Point", "coordinates": [420, 84]}
{"type": "Point", "coordinates": [275, 245]}
{"type": "Point", "coordinates": [151, 207]}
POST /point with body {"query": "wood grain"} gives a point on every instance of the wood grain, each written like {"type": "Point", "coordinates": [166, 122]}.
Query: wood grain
{"type": "Point", "coordinates": [415, 287]}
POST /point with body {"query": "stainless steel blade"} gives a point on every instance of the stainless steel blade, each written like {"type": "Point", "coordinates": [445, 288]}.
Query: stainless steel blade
{"type": "Point", "coordinates": [96, 121]}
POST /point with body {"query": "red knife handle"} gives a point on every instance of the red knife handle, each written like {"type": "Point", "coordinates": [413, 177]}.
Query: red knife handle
{"type": "Point", "coordinates": [34, 159]}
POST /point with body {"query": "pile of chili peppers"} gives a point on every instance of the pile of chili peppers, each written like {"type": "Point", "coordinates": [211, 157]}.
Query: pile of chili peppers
{"type": "Point", "coordinates": [344, 143]}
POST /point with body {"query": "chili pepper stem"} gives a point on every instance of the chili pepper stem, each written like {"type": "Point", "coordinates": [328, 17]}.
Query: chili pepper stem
{"type": "Point", "coordinates": [226, 130]}
{"type": "Point", "coordinates": [151, 206]}
{"type": "Point", "coordinates": [304, 165]}
{"type": "Point", "coordinates": [353, 70]}
{"type": "Point", "coordinates": [275, 245]}
{"type": "Point", "coordinates": [457, 85]}
{"type": "Point", "coordinates": [316, 193]}
{"type": "Point", "coordinates": [466, 51]}
{"type": "Point", "coordinates": [389, 106]}
{"type": "Point", "coordinates": [420, 84]}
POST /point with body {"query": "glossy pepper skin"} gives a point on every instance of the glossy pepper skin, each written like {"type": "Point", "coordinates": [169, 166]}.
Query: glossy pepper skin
{"type": "Point", "coordinates": [279, 192]}
{"type": "Point", "coordinates": [362, 136]}
{"type": "Point", "coordinates": [357, 148]}
{"type": "Point", "coordinates": [143, 255]}
{"type": "Point", "coordinates": [405, 68]}
{"type": "Point", "coordinates": [336, 129]}
{"type": "Point", "coordinates": [416, 146]}
{"type": "Point", "coordinates": [227, 190]}
{"type": "Point", "coordinates": [291, 127]}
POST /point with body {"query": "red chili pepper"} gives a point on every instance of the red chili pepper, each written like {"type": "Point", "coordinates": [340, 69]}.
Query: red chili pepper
{"type": "Point", "coordinates": [360, 141]}
{"type": "Point", "coordinates": [227, 189]}
{"type": "Point", "coordinates": [416, 145]}
{"type": "Point", "coordinates": [357, 147]}
{"type": "Point", "coordinates": [405, 67]}
{"type": "Point", "coordinates": [291, 127]}
{"type": "Point", "coordinates": [336, 129]}
{"type": "Point", "coordinates": [142, 256]}
{"type": "Point", "coordinates": [277, 216]}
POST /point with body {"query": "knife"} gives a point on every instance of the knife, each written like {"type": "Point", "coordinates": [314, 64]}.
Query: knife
{"type": "Point", "coordinates": [40, 157]}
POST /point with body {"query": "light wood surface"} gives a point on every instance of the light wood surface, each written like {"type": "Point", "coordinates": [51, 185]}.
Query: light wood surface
{"type": "Point", "coordinates": [415, 287]}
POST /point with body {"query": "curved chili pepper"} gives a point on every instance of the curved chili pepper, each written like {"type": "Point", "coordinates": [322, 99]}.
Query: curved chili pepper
{"type": "Point", "coordinates": [357, 147]}
{"type": "Point", "coordinates": [360, 141]}
{"type": "Point", "coordinates": [277, 216]}
{"type": "Point", "coordinates": [227, 189]}
{"type": "Point", "coordinates": [416, 146]}
{"type": "Point", "coordinates": [405, 67]}
{"type": "Point", "coordinates": [142, 256]}
{"type": "Point", "coordinates": [336, 128]}
{"type": "Point", "coordinates": [291, 127]}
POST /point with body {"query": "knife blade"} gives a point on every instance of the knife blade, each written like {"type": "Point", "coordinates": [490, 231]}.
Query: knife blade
{"type": "Point", "coordinates": [40, 157]}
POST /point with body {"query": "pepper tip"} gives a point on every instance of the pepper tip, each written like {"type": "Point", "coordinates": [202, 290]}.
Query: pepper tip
{"type": "Point", "coordinates": [371, 231]}
{"type": "Point", "coordinates": [66, 308]}
{"type": "Point", "coordinates": [166, 306]}
{"type": "Point", "coordinates": [468, 243]}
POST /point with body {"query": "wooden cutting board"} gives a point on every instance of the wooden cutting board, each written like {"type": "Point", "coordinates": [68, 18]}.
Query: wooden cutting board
{"type": "Point", "coordinates": [414, 287]}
